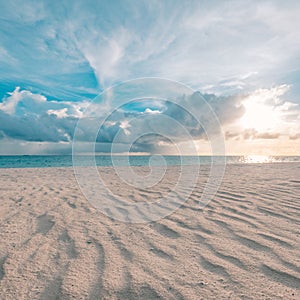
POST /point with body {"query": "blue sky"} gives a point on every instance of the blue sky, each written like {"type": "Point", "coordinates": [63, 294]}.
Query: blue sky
{"type": "Point", "coordinates": [243, 55]}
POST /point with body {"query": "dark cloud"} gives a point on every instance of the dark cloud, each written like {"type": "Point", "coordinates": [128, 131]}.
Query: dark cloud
{"type": "Point", "coordinates": [31, 117]}
{"type": "Point", "coordinates": [38, 129]}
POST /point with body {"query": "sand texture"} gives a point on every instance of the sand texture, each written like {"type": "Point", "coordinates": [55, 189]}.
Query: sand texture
{"type": "Point", "coordinates": [245, 244]}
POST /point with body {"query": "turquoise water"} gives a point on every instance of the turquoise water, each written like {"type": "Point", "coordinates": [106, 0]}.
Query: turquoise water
{"type": "Point", "coordinates": [44, 161]}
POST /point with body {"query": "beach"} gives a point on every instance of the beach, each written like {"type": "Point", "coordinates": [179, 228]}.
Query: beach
{"type": "Point", "coordinates": [244, 244]}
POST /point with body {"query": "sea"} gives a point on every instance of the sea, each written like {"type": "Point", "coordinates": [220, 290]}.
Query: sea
{"type": "Point", "coordinates": [49, 161]}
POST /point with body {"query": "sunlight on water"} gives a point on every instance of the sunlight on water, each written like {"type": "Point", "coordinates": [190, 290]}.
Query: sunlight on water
{"type": "Point", "coordinates": [257, 159]}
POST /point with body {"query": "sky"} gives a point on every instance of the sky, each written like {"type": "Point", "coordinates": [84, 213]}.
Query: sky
{"type": "Point", "coordinates": [241, 57]}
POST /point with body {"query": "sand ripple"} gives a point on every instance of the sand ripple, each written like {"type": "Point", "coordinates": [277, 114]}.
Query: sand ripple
{"type": "Point", "coordinates": [243, 245]}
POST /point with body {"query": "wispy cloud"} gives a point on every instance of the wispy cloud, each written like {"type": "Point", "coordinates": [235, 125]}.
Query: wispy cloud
{"type": "Point", "coordinates": [77, 49]}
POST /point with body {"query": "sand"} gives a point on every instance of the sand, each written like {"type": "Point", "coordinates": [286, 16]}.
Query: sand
{"type": "Point", "coordinates": [245, 244]}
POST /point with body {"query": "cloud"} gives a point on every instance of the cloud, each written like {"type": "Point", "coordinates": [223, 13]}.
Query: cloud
{"type": "Point", "coordinates": [9, 104]}
{"type": "Point", "coordinates": [171, 124]}
{"type": "Point", "coordinates": [295, 136]}
{"type": "Point", "coordinates": [267, 115]}
{"type": "Point", "coordinates": [150, 125]}
{"type": "Point", "coordinates": [75, 51]}
{"type": "Point", "coordinates": [60, 113]}
{"type": "Point", "coordinates": [31, 117]}
{"type": "Point", "coordinates": [253, 134]}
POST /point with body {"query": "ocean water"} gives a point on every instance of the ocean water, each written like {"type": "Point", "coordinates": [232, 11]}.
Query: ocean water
{"type": "Point", "coordinates": [46, 161]}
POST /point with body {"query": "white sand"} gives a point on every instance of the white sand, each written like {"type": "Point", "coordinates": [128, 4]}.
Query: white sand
{"type": "Point", "coordinates": [244, 245]}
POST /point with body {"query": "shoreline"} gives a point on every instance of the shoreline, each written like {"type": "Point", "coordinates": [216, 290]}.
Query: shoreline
{"type": "Point", "coordinates": [169, 166]}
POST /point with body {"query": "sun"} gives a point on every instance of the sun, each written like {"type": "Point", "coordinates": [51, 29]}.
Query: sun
{"type": "Point", "coordinates": [259, 115]}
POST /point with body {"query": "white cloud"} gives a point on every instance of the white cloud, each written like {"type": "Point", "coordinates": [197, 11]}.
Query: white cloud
{"type": "Point", "coordinates": [267, 115]}
{"type": "Point", "coordinates": [60, 113]}
{"type": "Point", "coordinates": [10, 103]}
{"type": "Point", "coordinates": [151, 111]}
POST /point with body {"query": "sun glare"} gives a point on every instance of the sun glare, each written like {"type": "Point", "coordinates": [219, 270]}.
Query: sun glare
{"type": "Point", "coordinates": [259, 116]}
{"type": "Point", "coordinates": [256, 159]}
